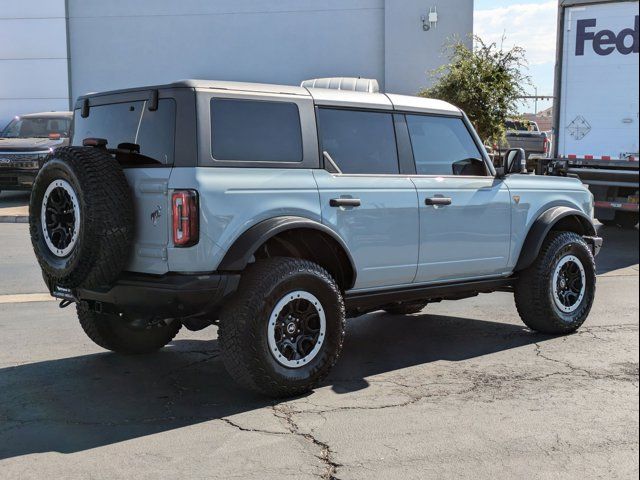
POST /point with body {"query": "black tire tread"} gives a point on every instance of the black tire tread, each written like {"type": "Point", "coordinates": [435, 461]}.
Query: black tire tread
{"type": "Point", "coordinates": [100, 329]}
{"type": "Point", "coordinates": [108, 218]}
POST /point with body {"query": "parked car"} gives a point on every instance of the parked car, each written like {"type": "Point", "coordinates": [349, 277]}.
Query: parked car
{"type": "Point", "coordinates": [276, 212]}
{"type": "Point", "coordinates": [526, 134]}
{"type": "Point", "coordinates": [24, 144]}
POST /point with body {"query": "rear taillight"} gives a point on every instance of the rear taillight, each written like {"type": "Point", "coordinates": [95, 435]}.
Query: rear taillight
{"type": "Point", "coordinates": [184, 205]}
{"type": "Point", "coordinates": [547, 143]}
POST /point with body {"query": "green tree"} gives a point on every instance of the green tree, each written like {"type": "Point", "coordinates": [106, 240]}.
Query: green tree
{"type": "Point", "coordinates": [485, 81]}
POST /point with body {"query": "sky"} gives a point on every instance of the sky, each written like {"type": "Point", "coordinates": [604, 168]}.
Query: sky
{"type": "Point", "coordinates": [528, 23]}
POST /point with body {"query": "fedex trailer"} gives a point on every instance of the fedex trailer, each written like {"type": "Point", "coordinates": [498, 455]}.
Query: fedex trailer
{"type": "Point", "coordinates": [596, 104]}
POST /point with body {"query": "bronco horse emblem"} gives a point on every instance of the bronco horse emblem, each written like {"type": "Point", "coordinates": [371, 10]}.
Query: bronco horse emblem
{"type": "Point", "coordinates": [155, 215]}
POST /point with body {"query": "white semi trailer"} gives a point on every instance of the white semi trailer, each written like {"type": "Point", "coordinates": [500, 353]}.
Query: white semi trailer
{"type": "Point", "coordinates": [596, 104]}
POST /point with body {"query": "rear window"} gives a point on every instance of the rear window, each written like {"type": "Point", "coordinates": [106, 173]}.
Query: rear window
{"type": "Point", "coordinates": [255, 131]}
{"type": "Point", "coordinates": [131, 122]}
{"type": "Point", "coordinates": [521, 126]}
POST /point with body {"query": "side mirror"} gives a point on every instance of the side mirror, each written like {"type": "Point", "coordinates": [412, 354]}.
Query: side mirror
{"type": "Point", "coordinates": [515, 161]}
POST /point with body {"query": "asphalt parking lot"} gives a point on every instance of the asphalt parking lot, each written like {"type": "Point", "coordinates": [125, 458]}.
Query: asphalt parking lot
{"type": "Point", "coordinates": [461, 390]}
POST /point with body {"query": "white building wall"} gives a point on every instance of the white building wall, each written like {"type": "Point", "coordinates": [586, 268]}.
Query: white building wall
{"type": "Point", "coordinates": [120, 43]}
{"type": "Point", "coordinates": [33, 57]}
{"type": "Point", "coordinates": [410, 51]}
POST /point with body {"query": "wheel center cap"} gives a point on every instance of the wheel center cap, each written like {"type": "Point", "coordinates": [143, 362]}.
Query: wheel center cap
{"type": "Point", "coordinates": [563, 283]}
{"type": "Point", "coordinates": [291, 328]}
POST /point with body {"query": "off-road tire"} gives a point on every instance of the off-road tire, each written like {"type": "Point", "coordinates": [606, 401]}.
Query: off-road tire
{"type": "Point", "coordinates": [112, 332]}
{"type": "Point", "coordinates": [244, 322]}
{"type": "Point", "coordinates": [408, 308]}
{"type": "Point", "coordinates": [534, 291]}
{"type": "Point", "coordinates": [106, 227]}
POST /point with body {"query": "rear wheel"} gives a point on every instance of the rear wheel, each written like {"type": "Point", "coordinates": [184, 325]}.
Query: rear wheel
{"type": "Point", "coordinates": [555, 294]}
{"type": "Point", "coordinates": [406, 308]}
{"type": "Point", "coordinates": [283, 330]}
{"type": "Point", "coordinates": [116, 333]}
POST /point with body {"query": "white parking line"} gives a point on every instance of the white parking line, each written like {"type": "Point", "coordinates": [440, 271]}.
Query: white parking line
{"type": "Point", "coordinates": [26, 297]}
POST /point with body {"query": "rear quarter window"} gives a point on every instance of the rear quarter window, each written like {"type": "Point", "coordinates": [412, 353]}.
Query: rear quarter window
{"type": "Point", "coordinates": [255, 131]}
{"type": "Point", "coordinates": [131, 122]}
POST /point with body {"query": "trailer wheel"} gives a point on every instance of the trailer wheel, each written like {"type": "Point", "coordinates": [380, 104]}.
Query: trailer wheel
{"type": "Point", "coordinates": [626, 219]}
{"type": "Point", "coordinates": [607, 222]}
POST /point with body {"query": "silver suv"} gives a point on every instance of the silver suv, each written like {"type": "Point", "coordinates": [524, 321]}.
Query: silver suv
{"type": "Point", "coordinates": [276, 212]}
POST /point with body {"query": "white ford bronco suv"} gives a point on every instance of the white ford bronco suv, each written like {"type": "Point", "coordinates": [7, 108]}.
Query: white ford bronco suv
{"type": "Point", "coordinates": [276, 212]}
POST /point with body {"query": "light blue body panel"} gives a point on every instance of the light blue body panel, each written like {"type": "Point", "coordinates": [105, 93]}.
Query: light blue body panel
{"type": "Point", "coordinates": [149, 187]}
{"type": "Point", "coordinates": [393, 237]}
{"type": "Point", "coordinates": [537, 194]}
{"type": "Point", "coordinates": [234, 199]}
{"type": "Point", "coordinates": [382, 233]}
{"type": "Point", "coordinates": [469, 238]}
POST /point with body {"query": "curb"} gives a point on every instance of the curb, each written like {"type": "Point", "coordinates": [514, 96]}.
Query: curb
{"type": "Point", "coordinates": [14, 219]}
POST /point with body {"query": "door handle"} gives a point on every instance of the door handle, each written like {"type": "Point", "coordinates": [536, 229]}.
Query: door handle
{"type": "Point", "coordinates": [344, 202]}
{"type": "Point", "coordinates": [437, 201]}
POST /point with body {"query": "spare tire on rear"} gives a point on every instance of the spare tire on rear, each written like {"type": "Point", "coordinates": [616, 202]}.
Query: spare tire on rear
{"type": "Point", "coordinates": [81, 218]}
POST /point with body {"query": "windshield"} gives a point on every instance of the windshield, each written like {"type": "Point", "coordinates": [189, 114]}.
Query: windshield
{"type": "Point", "coordinates": [36, 127]}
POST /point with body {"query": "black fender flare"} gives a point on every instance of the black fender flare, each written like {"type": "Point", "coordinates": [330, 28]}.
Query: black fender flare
{"type": "Point", "coordinates": [543, 225]}
{"type": "Point", "coordinates": [246, 245]}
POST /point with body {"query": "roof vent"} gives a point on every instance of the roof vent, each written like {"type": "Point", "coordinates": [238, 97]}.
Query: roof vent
{"type": "Point", "coordinates": [344, 83]}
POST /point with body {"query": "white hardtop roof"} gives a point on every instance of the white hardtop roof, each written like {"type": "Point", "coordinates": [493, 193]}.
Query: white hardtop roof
{"type": "Point", "coordinates": [333, 97]}
{"type": "Point", "coordinates": [382, 101]}
{"type": "Point", "coordinates": [242, 87]}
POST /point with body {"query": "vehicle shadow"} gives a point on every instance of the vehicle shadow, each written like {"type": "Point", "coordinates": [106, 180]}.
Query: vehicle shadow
{"type": "Point", "coordinates": [619, 249]}
{"type": "Point", "coordinates": [74, 404]}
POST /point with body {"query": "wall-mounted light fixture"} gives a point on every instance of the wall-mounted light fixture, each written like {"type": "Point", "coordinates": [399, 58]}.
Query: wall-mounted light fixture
{"type": "Point", "coordinates": [430, 20]}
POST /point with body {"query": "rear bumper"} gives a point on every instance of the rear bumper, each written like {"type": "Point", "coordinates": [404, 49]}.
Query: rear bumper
{"type": "Point", "coordinates": [165, 296]}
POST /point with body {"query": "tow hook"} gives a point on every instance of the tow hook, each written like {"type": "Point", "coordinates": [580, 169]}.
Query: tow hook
{"type": "Point", "coordinates": [65, 303]}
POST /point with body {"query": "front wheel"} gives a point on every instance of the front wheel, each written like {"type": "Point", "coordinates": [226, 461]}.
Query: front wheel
{"type": "Point", "coordinates": [555, 294]}
{"type": "Point", "coordinates": [283, 330]}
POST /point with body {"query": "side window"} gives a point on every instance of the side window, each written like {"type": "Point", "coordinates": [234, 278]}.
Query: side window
{"type": "Point", "coordinates": [359, 141]}
{"type": "Point", "coordinates": [121, 123]}
{"type": "Point", "coordinates": [255, 131]}
{"type": "Point", "coordinates": [444, 146]}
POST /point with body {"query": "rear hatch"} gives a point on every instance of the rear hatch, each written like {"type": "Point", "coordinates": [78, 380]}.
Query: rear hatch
{"type": "Point", "coordinates": [134, 125]}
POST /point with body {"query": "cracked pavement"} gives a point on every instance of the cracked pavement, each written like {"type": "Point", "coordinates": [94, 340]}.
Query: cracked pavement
{"type": "Point", "coordinates": [461, 390]}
